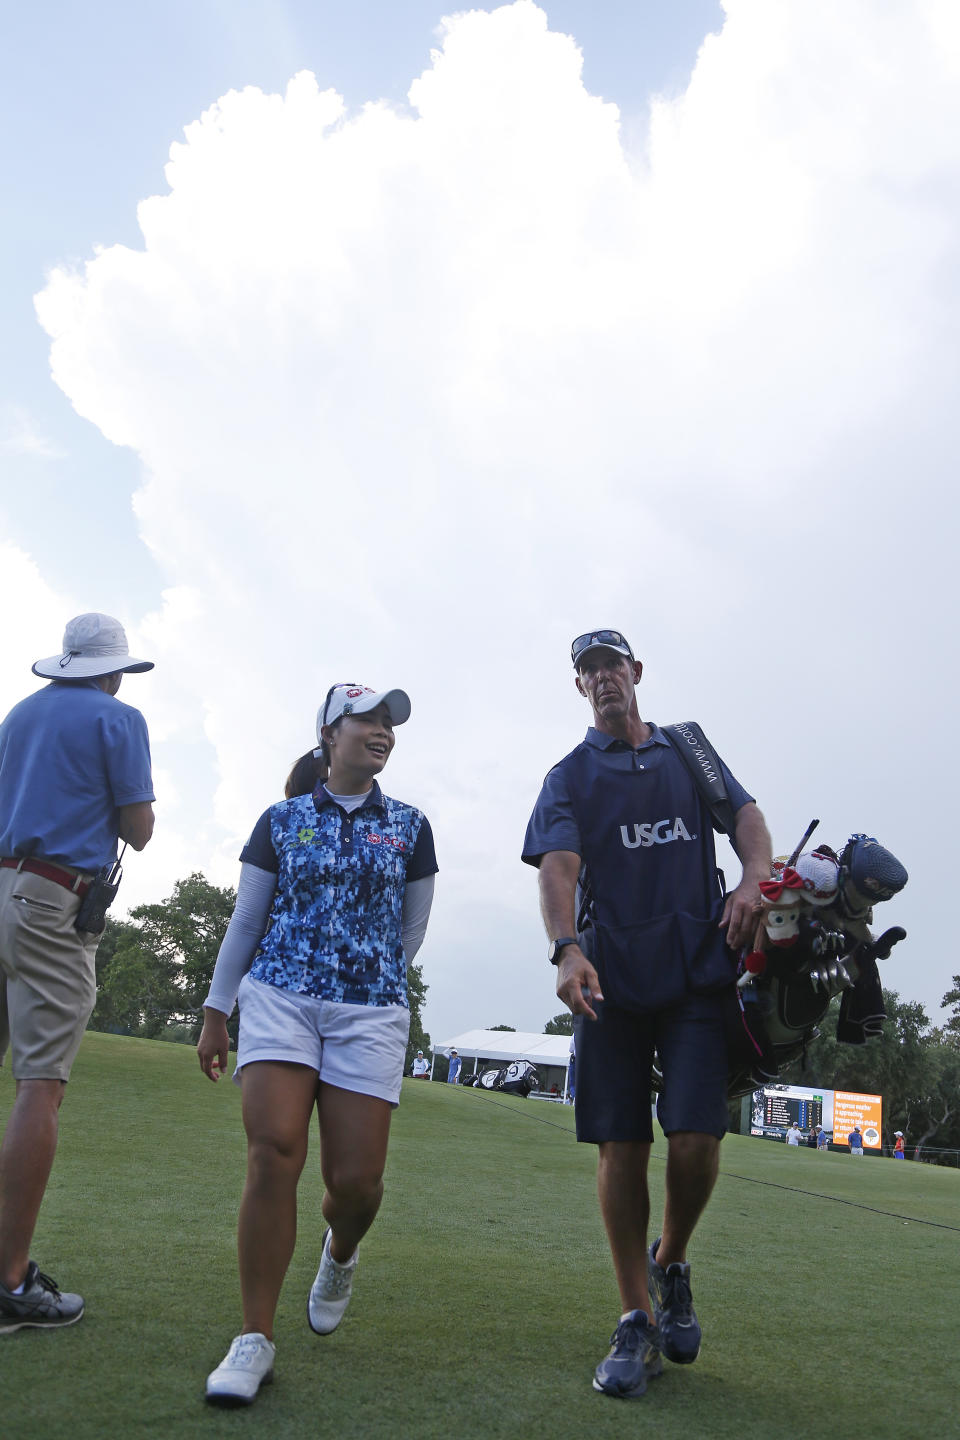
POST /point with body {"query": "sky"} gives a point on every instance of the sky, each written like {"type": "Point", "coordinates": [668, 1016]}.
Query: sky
{"type": "Point", "coordinates": [364, 342]}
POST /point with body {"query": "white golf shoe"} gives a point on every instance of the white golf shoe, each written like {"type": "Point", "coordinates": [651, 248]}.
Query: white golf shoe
{"type": "Point", "coordinates": [330, 1292]}
{"type": "Point", "coordinates": [248, 1364]}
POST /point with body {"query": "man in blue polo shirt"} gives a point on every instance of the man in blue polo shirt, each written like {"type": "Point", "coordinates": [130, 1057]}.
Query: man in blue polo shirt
{"type": "Point", "coordinates": [641, 933]}
{"type": "Point", "coordinates": [74, 776]}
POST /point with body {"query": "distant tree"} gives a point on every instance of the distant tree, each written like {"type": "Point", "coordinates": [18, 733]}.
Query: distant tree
{"type": "Point", "coordinates": [934, 1115]}
{"type": "Point", "coordinates": [416, 993]}
{"type": "Point", "coordinates": [952, 997]}
{"type": "Point", "coordinates": [133, 991]}
{"type": "Point", "coordinates": [156, 965]}
{"type": "Point", "coordinates": [561, 1024]}
{"type": "Point", "coordinates": [503, 1027]}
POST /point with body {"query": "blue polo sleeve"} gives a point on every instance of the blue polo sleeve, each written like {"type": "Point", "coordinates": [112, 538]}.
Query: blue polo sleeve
{"type": "Point", "coordinates": [738, 796]}
{"type": "Point", "coordinates": [552, 825]}
{"type": "Point", "coordinates": [423, 861]}
{"type": "Point", "coordinates": [259, 849]}
{"type": "Point", "coordinates": [126, 750]}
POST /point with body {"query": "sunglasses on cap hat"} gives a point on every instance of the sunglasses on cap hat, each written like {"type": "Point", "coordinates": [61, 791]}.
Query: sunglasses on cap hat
{"type": "Point", "coordinates": [350, 698]}
{"type": "Point", "coordinates": [599, 639]}
{"type": "Point", "coordinates": [340, 685]}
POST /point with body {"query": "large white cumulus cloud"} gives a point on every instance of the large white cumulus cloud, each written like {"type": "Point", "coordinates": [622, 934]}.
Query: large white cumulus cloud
{"type": "Point", "coordinates": [419, 393]}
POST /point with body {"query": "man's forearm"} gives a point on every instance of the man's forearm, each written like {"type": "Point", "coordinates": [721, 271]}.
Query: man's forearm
{"type": "Point", "coordinates": [753, 844]}
{"type": "Point", "coordinates": [558, 892]}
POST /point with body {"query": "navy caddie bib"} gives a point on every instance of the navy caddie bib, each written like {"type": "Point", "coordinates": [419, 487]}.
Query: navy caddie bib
{"type": "Point", "coordinates": [651, 891]}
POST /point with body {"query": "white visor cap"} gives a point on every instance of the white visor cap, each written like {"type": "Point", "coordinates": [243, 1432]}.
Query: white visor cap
{"type": "Point", "coordinates": [357, 700]}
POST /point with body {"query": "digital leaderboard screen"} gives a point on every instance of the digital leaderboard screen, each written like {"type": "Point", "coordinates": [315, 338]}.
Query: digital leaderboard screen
{"type": "Point", "coordinates": [782, 1109]}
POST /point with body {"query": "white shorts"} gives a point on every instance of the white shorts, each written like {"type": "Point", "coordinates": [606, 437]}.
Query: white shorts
{"type": "Point", "coordinates": [356, 1047]}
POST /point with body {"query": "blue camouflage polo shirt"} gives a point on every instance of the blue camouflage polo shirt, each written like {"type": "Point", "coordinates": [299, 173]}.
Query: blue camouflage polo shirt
{"type": "Point", "coordinates": [334, 926]}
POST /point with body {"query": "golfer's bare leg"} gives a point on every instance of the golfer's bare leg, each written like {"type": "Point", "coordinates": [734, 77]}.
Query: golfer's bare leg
{"type": "Point", "coordinates": [692, 1164]}
{"type": "Point", "coordinates": [354, 1131]}
{"type": "Point", "coordinates": [26, 1159]}
{"type": "Point", "coordinates": [278, 1101]}
{"type": "Point", "coordinates": [625, 1206]}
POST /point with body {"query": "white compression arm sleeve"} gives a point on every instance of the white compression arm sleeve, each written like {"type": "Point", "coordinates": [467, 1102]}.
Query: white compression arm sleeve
{"type": "Point", "coordinates": [417, 900]}
{"type": "Point", "coordinates": [248, 922]}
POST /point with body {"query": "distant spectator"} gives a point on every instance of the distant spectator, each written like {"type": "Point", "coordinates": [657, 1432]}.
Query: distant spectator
{"type": "Point", "coordinates": [453, 1073]}
{"type": "Point", "coordinates": [855, 1141]}
{"type": "Point", "coordinates": [421, 1067]}
{"type": "Point", "coordinates": [821, 1138]}
{"type": "Point", "coordinates": [571, 1070]}
{"type": "Point", "coordinates": [898, 1145]}
{"type": "Point", "coordinates": [794, 1134]}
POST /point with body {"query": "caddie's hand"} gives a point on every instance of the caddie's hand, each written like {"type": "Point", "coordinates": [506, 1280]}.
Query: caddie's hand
{"type": "Point", "coordinates": [213, 1047]}
{"type": "Point", "coordinates": [577, 982]}
{"type": "Point", "coordinates": [740, 912]}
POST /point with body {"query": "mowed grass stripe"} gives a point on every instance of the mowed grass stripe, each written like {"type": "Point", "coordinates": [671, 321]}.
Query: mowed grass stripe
{"type": "Point", "coordinates": [484, 1296]}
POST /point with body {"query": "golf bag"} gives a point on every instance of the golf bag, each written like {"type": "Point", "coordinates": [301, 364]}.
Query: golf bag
{"type": "Point", "coordinates": [813, 941]}
{"type": "Point", "coordinates": [518, 1078]}
{"type": "Point", "coordinates": [818, 913]}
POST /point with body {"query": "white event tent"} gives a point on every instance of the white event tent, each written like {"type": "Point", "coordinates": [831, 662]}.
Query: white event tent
{"type": "Point", "coordinates": [503, 1046]}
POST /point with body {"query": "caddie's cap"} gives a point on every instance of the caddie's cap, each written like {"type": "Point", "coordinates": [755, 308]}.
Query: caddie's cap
{"type": "Point", "coordinates": [599, 640]}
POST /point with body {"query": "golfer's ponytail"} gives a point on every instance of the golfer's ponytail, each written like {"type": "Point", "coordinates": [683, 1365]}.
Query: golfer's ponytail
{"type": "Point", "coordinates": [308, 772]}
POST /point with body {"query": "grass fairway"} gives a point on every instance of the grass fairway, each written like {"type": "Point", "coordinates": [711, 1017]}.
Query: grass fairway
{"type": "Point", "coordinates": [484, 1296]}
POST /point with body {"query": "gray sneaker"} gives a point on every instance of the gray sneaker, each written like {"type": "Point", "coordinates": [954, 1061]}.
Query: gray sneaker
{"type": "Point", "coordinates": [673, 1308]}
{"type": "Point", "coordinates": [330, 1292]}
{"type": "Point", "coordinates": [247, 1365]}
{"type": "Point", "coordinates": [40, 1305]}
{"type": "Point", "coordinates": [633, 1360]}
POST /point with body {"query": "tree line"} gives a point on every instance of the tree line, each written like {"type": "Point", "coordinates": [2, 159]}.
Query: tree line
{"type": "Point", "coordinates": [154, 968]}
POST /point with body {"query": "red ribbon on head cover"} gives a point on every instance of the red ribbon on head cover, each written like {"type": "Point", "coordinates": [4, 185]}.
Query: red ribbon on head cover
{"type": "Point", "coordinates": [773, 890]}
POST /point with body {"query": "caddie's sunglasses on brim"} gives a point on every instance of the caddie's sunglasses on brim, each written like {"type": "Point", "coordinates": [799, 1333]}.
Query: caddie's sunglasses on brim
{"type": "Point", "coordinates": [597, 637]}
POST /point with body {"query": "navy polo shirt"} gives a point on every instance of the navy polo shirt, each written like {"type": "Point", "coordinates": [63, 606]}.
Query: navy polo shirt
{"type": "Point", "coordinates": [334, 930]}
{"type": "Point", "coordinates": [554, 825]}
{"type": "Point", "coordinates": [648, 865]}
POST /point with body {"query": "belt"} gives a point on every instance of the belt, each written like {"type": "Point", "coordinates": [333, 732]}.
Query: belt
{"type": "Point", "coordinates": [59, 874]}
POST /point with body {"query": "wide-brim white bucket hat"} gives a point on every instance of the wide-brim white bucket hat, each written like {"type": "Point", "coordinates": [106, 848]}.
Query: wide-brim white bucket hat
{"type": "Point", "coordinates": [93, 645]}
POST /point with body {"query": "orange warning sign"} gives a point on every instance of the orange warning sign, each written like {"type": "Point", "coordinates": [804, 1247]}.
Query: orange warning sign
{"type": "Point", "coordinates": [850, 1109]}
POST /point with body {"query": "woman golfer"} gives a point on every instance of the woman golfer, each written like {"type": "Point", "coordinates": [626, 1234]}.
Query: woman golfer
{"type": "Point", "coordinates": [334, 895]}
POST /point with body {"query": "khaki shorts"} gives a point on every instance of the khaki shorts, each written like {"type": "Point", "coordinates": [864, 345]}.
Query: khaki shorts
{"type": "Point", "coordinates": [48, 984]}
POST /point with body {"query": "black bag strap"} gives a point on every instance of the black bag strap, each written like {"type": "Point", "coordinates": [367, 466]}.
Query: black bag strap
{"type": "Point", "coordinates": [703, 763]}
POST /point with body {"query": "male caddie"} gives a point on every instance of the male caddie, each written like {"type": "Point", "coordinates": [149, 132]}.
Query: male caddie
{"type": "Point", "coordinates": [639, 930]}
{"type": "Point", "coordinates": [74, 775]}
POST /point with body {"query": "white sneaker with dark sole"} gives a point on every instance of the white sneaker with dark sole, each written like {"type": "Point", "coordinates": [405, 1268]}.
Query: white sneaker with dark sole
{"type": "Point", "coordinates": [248, 1364]}
{"type": "Point", "coordinates": [330, 1292]}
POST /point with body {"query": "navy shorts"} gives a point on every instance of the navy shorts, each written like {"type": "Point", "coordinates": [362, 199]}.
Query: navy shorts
{"type": "Point", "coordinates": [614, 1063]}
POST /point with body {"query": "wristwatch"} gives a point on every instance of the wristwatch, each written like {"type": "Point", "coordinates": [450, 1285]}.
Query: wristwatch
{"type": "Point", "coordinates": [553, 954]}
